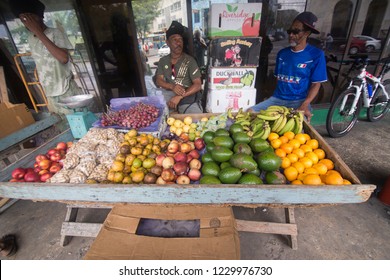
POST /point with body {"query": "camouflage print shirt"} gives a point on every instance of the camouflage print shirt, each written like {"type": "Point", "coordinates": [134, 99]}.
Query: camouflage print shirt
{"type": "Point", "coordinates": [54, 76]}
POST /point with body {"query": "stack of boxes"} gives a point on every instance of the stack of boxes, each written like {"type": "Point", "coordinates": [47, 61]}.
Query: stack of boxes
{"type": "Point", "coordinates": [234, 56]}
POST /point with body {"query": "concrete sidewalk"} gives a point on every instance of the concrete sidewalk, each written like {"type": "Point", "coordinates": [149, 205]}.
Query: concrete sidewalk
{"type": "Point", "coordinates": [351, 231]}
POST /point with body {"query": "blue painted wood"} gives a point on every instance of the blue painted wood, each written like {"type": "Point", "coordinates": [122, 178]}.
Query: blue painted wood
{"type": "Point", "coordinates": [28, 131]}
{"type": "Point", "coordinates": [29, 159]}
{"type": "Point", "coordinates": [192, 194]}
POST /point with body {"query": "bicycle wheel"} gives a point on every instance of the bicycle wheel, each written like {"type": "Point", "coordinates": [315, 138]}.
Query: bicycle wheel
{"type": "Point", "coordinates": [338, 121]}
{"type": "Point", "coordinates": [379, 104]}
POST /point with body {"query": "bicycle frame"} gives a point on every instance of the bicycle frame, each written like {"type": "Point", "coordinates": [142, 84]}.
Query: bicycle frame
{"type": "Point", "coordinates": [363, 76]}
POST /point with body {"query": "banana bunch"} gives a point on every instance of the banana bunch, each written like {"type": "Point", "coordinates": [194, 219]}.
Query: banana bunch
{"type": "Point", "coordinates": [260, 129]}
{"type": "Point", "coordinates": [282, 119]}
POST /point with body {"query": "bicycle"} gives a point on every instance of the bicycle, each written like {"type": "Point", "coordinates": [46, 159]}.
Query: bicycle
{"type": "Point", "coordinates": [364, 90]}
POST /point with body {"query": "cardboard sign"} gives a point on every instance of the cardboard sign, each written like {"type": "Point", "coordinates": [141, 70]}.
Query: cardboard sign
{"type": "Point", "coordinates": [219, 101]}
{"type": "Point", "coordinates": [229, 20]}
{"type": "Point", "coordinates": [232, 78]}
{"type": "Point", "coordinates": [235, 52]}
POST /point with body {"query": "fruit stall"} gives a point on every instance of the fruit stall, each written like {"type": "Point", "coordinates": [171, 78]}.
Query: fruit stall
{"type": "Point", "coordinates": [227, 159]}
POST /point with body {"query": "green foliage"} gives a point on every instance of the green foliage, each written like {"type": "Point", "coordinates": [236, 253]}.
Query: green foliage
{"type": "Point", "coordinates": [145, 12]}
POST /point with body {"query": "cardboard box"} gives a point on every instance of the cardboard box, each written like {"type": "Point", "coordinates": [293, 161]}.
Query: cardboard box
{"type": "Point", "coordinates": [14, 117]}
{"type": "Point", "coordinates": [219, 101]}
{"type": "Point", "coordinates": [235, 52]}
{"type": "Point", "coordinates": [119, 240]}
{"type": "Point", "coordinates": [228, 20]}
{"type": "Point", "coordinates": [232, 78]}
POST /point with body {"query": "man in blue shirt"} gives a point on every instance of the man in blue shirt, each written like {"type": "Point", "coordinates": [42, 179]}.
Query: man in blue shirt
{"type": "Point", "coordinates": [300, 69]}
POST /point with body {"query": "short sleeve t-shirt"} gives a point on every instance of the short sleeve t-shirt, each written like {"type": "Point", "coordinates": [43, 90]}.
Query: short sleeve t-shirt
{"type": "Point", "coordinates": [295, 71]}
{"type": "Point", "coordinates": [54, 76]}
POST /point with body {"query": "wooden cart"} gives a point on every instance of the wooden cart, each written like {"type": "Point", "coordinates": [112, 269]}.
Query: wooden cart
{"type": "Point", "coordinates": [98, 195]}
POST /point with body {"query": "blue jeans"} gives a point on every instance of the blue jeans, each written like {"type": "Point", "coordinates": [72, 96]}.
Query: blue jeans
{"type": "Point", "coordinates": [276, 101]}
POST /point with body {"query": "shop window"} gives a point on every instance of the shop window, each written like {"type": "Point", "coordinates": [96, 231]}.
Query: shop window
{"type": "Point", "coordinates": [341, 19]}
{"type": "Point", "coordinates": [375, 15]}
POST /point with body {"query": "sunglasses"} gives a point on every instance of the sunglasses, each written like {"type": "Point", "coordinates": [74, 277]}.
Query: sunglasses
{"type": "Point", "coordinates": [173, 72]}
{"type": "Point", "coordinates": [294, 31]}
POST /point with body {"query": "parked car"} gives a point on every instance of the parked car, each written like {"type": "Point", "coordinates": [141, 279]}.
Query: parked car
{"type": "Point", "coordinates": [372, 44]}
{"type": "Point", "coordinates": [357, 46]}
{"type": "Point", "coordinates": [164, 50]}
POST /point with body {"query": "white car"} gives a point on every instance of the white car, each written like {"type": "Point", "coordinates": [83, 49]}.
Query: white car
{"type": "Point", "coordinates": [164, 50]}
{"type": "Point", "coordinates": [372, 44]}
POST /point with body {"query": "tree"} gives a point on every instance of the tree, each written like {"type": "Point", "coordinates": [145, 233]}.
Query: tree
{"type": "Point", "coordinates": [145, 12]}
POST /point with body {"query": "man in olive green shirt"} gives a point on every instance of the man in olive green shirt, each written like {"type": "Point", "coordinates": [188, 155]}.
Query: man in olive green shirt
{"type": "Point", "coordinates": [179, 76]}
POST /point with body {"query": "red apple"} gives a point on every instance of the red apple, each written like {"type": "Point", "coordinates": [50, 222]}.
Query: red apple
{"type": "Point", "coordinates": [173, 147]}
{"type": "Point", "coordinates": [62, 153]}
{"type": "Point", "coordinates": [37, 169]}
{"type": "Point", "coordinates": [180, 157]}
{"type": "Point", "coordinates": [56, 157]}
{"type": "Point", "coordinates": [18, 173]}
{"type": "Point", "coordinates": [69, 144]}
{"type": "Point", "coordinates": [168, 162]}
{"type": "Point", "coordinates": [43, 171]}
{"type": "Point", "coordinates": [55, 167]}
{"type": "Point", "coordinates": [16, 180]}
{"type": "Point", "coordinates": [184, 137]}
{"type": "Point", "coordinates": [192, 145]}
{"type": "Point", "coordinates": [159, 159]}
{"type": "Point", "coordinates": [199, 144]}
{"type": "Point", "coordinates": [61, 146]}
{"type": "Point", "coordinates": [251, 30]}
{"type": "Point", "coordinates": [185, 148]}
{"type": "Point", "coordinates": [194, 154]}
{"type": "Point", "coordinates": [40, 157]}
{"type": "Point", "coordinates": [183, 180]}
{"type": "Point", "coordinates": [180, 168]}
{"type": "Point", "coordinates": [195, 163]}
{"type": "Point", "coordinates": [36, 164]}
{"type": "Point", "coordinates": [51, 151]}
{"type": "Point", "coordinates": [44, 164]}
{"type": "Point", "coordinates": [194, 174]}
{"type": "Point", "coordinates": [168, 175]}
{"type": "Point", "coordinates": [46, 176]}
{"type": "Point", "coordinates": [189, 158]}
{"type": "Point", "coordinates": [30, 170]}
{"type": "Point", "coordinates": [32, 177]}
{"type": "Point", "coordinates": [160, 181]}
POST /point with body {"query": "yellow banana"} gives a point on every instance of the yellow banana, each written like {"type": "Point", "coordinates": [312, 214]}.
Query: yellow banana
{"type": "Point", "coordinates": [288, 127]}
{"type": "Point", "coordinates": [277, 123]}
{"type": "Point", "coordinates": [270, 116]}
{"type": "Point", "coordinates": [298, 125]}
{"type": "Point", "coordinates": [229, 113]}
{"type": "Point", "coordinates": [266, 133]}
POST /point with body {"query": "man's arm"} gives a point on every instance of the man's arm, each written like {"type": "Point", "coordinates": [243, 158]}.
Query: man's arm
{"type": "Point", "coordinates": [312, 93]}
{"type": "Point", "coordinates": [177, 89]}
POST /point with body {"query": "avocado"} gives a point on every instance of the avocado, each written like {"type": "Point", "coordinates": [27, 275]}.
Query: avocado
{"type": "Point", "coordinates": [210, 146]}
{"type": "Point", "coordinates": [256, 172]}
{"type": "Point", "coordinates": [269, 161]}
{"type": "Point", "coordinates": [221, 154]}
{"type": "Point", "coordinates": [250, 179]}
{"type": "Point", "coordinates": [209, 180]}
{"type": "Point", "coordinates": [236, 127]}
{"type": "Point", "coordinates": [241, 137]}
{"type": "Point", "coordinates": [242, 148]}
{"type": "Point", "coordinates": [210, 168]}
{"type": "Point", "coordinates": [244, 162]}
{"type": "Point", "coordinates": [207, 158]}
{"type": "Point", "coordinates": [225, 164]}
{"type": "Point", "coordinates": [222, 132]}
{"type": "Point", "coordinates": [275, 178]}
{"type": "Point", "coordinates": [208, 136]}
{"type": "Point", "coordinates": [230, 175]}
{"type": "Point", "coordinates": [259, 145]}
{"type": "Point", "coordinates": [224, 141]}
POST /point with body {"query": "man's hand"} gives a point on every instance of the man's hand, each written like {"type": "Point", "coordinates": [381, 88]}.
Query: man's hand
{"type": "Point", "coordinates": [306, 112]}
{"type": "Point", "coordinates": [31, 23]}
{"type": "Point", "coordinates": [174, 102]}
{"type": "Point", "coordinates": [178, 90]}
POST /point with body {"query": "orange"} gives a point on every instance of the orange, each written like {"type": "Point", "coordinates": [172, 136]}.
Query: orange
{"type": "Point", "coordinates": [306, 148]}
{"type": "Point", "coordinates": [292, 157]}
{"type": "Point", "coordinates": [289, 134]}
{"type": "Point", "coordinates": [280, 153]}
{"type": "Point", "coordinates": [333, 172]}
{"type": "Point", "coordinates": [334, 179]}
{"type": "Point", "coordinates": [291, 173]}
{"type": "Point", "coordinates": [285, 163]}
{"type": "Point", "coordinates": [321, 168]}
{"type": "Point", "coordinates": [346, 182]}
{"type": "Point", "coordinates": [313, 143]}
{"type": "Point", "coordinates": [301, 138]}
{"type": "Point", "coordinates": [306, 162]}
{"type": "Point", "coordinates": [284, 139]}
{"type": "Point", "coordinates": [301, 176]}
{"type": "Point", "coordinates": [299, 166]}
{"type": "Point", "coordinates": [320, 153]}
{"type": "Point", "coordinates": [299, 152]}
{"type": "Point", "coordinates": [312, 179]}
{"type": "Point", "coordinates": [311, 170]}
{"type": "Point", "coordinates": [287, 147]}
{"type": "Point", "coordinates": [307, 136]}
{"type": "Point", "coordinates": [296, 182]}
{"type": "Point", "coordinates": [295, 143]}
{"type": "Point", "coordinates": [313, 156]}
{"type": "Point", "coordinates": [329, 164]}
{"type": "Point", "coordinates": [276, 143]}
{"type": "Point", "coordinates": [272, 136]}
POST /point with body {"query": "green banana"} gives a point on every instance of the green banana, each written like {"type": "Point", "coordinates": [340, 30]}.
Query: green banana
{"type": "Point", "coordinates": [277, 123]}
{"type": "Point", "coordinates": [270, 116]}
{"type": "Point", "coordinates": [229, 113]}
{"type": "Point", "coordinates": [259, 134]}
{"type": "Point", "coordinates": [266, 133]}
{"type": "Point", "coordinates": [282, 124]}
{"type": "Point", "coordinates": [298, 125]}
{"type": "Point", "coordinates": [288, 127]}
{"type": "Point", "coordinates": [243, 122]}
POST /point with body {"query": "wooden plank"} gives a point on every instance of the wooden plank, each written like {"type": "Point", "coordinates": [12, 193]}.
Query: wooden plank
{"type": "Point", "coordinates": [80, 229]}
{"type": "Point", "coordinates": [29, 159]}
{"type": "Point", "coordinates": [189, 194]}
{"type": "Point", "coordinates": [266, 227]}
{"type": "Point", "coordinates": [28, 131]}
{"type": "Point", "coordinates": [290, 219]}
{"type": "Point", "coordinates": [8, 205]}
{"type": "Point", "coordinates": [3, 201]}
